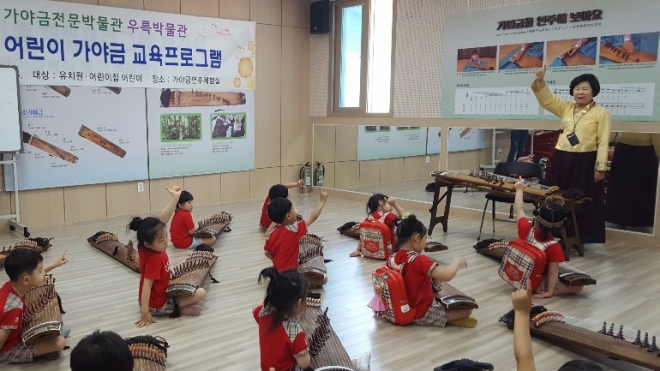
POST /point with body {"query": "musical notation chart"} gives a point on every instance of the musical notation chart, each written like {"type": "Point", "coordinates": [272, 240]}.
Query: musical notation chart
{"type": "Point", "coordinates": [620, 99]}
{"type": "Point", "coordinates": [496, 101]}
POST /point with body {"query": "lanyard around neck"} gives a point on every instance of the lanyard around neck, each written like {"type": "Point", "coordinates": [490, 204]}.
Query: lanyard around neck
{"type": "Point", "coordinates": [581, 114]}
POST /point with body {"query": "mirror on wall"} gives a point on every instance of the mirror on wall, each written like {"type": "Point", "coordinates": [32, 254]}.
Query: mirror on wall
{"type": "Point", "coordinates": [397, 161]}
{"type": "Point", "coordinates": [631, 178]}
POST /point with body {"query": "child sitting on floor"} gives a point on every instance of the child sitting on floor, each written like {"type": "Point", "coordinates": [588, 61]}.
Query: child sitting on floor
{"type": "Point", "coordinates": [549, 217]}
{"type": "Point", "coordinates": [418, 271]}
{"type": "Point", "coordinates": [183, 225]}
{"type": "Point", "coordinates": [283, 243]}
{"type": "Point", "coordinates": [275, 192]}
{"type": "Point", "coordinates": [281, 337]}
{"type": "Point", "coordinates": [379, 209]}
{"type": "Point", "coordinates": [25, 268]}
{"type": "Point", "coordinates": [155, 269]}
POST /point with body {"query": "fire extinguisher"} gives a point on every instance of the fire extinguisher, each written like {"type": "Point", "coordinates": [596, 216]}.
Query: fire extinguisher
{"type": "Point", "coordinates": [306, 176]}
{"type": "Point", "coordinates": [319, 174]}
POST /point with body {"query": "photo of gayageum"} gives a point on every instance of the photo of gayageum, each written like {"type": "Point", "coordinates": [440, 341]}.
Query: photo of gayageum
{"type": "Point", "coordinates": [180, 127]}
{"type": "Point", "coordinates": [230, 125]}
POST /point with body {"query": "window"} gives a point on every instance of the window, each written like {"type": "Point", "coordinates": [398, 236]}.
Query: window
{"type": "Point", "coordinates": [363, 85]}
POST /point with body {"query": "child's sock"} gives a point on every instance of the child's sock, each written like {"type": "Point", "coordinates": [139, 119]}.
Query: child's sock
{"type": "Point", "coordinates": [191, 310]}
{"type": "Point", "coordinates": [469, 322]}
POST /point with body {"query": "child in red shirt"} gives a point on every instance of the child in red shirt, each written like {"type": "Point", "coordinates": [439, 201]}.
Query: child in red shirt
{"type": "Point", "coordinates": [418, 271]}
{"type": "Point", "coordinates": [26, 270]}
{"type": "Point", "coordinates": [183, 225]}
{"type": "Point", "coordinates": [549, 217]}
{"type": "Point", "coordinates": [379, 209]}
{"type": "Point", "coordinates": [281, 337]}
{"type": "Point", "coordinates": [275, 192]}
{"type": "Point", "coordinates": [155, 269]}
{"type": "Point", "coordinates": [283, 243]}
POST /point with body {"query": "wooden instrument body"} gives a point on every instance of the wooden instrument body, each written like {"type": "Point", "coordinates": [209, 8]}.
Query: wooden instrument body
{"type": "Point", "coordinates": [499, 183]}
{"type": "Point", "coordinates": [109, 244]}
{"type": "Point", "coordinates": [568, 275]}
{"type": "Point", "coordinates": [311, 262]}
{"type": "Point", "coordinates": [350, 229]}
{"type": "Point", "coordinates": [177, 98]}
{"type": "Point", "coordinates": [190, 274]}
{"type": "Point", "coordinates": [527, 61]}
{"type": "Point", "coordinates": [578, 59]}
{"type": "Point", "coordinates": [575, 336]}
{"type": "Point", "coordinates": [101, 141]}
{"type": "Point", "coordinates": [481, 67]}
{"type": "Point", "coordinates": [213, 226]}
{"type": "Point", "coordinates": [42, 319]}
{"type": "Point", "coordinates": [619, 55]}
{"type": "Point", "coordinates": [452, 298]}
{"type": "Point", "coordinates": [146, 355]}
{"type": "Point", "coordinates": [332, 353]}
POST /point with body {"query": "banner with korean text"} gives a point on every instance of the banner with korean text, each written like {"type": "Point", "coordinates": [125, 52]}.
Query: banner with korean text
{"type": "Point", "coordinates": [57, 43]}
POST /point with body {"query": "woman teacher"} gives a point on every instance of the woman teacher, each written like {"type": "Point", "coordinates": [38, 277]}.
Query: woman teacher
{"type": "Point", "coordinates": [580, 156]}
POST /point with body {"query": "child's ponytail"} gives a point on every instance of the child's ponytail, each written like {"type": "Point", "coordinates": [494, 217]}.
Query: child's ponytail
{"type": "Point", "coordinates": [284, 292]}
{"type": "Point", "coordinates": [374, 202]}
{"type": "Point", "coordinates": [407, 227]}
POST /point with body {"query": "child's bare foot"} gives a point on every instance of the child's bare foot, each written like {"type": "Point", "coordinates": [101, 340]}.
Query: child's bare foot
{"type": "Point", "coordinates": [191, 310]}
{"type": "Point", "coordinates": [355, 254]}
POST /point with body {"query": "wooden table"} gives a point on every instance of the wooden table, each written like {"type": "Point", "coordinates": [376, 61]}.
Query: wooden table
{"type": "Point", "coordinates": [568, 242]}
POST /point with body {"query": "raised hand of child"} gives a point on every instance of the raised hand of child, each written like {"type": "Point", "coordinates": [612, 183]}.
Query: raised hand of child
{"type": "Point", "coordinates": [145, 320]}
{"type": "Point", "coordinates": [520, 184]}
{"type": "Point", "coordinates": [174, 191]}
{"type": "Point", "coordinates": [391, 201]}
{"type": "Point", "coordinates": [522, 299]}
{"type": "Point", "coordinates": [460, 263]}
{"type": "Point", "coordinates": [61, 260]}
{"type": "Point", "coordinates": [323, 195]}
{"type": "Point", "coordinates": [301, 183]}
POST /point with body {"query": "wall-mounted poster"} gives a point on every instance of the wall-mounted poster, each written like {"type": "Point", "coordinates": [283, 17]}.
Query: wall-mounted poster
{"type": "Point", "coordinates": [379, 142]}
{"type": "Point", "coordinates": [77, 135]}
{"type": "Point", "coordinates": [200, 131]}
{"type": "Point", "coordinates": [488, 67]}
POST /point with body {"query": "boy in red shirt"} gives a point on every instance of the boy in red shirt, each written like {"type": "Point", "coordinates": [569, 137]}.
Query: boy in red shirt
{"type": "Point", "coordinates": [183, 225]}
{"type": "Point", "coordinates": [26, 270]}
{"type": "Point", "coordinates": [283, 243]}
{"type": "Point", "coordinates": [275, 192]}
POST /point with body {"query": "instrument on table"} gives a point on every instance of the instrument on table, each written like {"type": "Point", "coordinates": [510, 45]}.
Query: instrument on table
{"type": "Point", "coordinates": [42, 317]}
{"type": "Point", "coordinates": [618, 342]}
{"type": "Point", "coordinates": [178, 98]}
{"type": "Point", "coordinates": [451, 297]}
{"type": "Point", "coordinates": [213, 226]}
{"type": "Point", "coordinates": [619, 55]}
{"type": "Point", "coordinates": [189, 275]}
{"type": "Point", "coordinates": [325, 348]}
{"type": "Point", "coordinates": [485, 180]}
{"type": "Point", "coordinates": [109, 244]}
{"type": "Point", "coordinates": [311, 262]}
{"type": "Point", "coordinates": [527, 61]}
{"type": "Point", "coordinates": [149, 352]}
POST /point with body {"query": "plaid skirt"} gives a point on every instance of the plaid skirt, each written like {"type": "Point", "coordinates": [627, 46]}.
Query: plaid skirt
{"type": "Point", "coordinates": [18, 354]}
{"type": "Point", "coordinates": [436, 316]}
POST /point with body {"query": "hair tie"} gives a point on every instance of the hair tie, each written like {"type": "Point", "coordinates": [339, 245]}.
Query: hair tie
{"type": "Point", "coordinates": [405, 216]}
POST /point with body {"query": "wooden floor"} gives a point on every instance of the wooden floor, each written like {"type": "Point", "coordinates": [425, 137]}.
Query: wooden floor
{"type": "Point", "coordinates": [100, 293]}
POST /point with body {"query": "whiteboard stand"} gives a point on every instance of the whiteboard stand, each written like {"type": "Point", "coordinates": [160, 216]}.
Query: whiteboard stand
{"type": "Point", "coordinates": [11, 134]}
{"type": "Point", "coordinates": [15, 218]}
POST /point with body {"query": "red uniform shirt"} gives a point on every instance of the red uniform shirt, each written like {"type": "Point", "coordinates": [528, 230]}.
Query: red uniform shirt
{"type": "Point", "coordinates": [265, 221]}
{"type": "Point", "coordinates": [284, 244]}
{"type": "Point", "coordinates": [156, 266]}
{"type": "Point", "coordinates": [280, 346]}
{"type": "Point", "coordinates": [417, 277]}
{"type": "Point", "coordinates": [553, 253]}
{"type": "Point", "coordinates": [182, 223]}
{"type": "Point", "coordinates": [11, 315]}
{"type": "Point", "coordinates": [389, 222]}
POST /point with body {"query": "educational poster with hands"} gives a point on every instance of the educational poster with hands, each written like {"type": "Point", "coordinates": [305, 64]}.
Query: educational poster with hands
{"type": "Point", "coordinates": [380, 142]}
{"type": "Point", "coordinates": [77, 135]}
{"type": "Point", "coordinates": [488, 67]}
{"type": "Point", "coordinates": [200, 131]}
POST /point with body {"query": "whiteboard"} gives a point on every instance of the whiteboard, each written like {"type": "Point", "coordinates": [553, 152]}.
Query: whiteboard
{"type": "Point", "coordinates": [10, 117]}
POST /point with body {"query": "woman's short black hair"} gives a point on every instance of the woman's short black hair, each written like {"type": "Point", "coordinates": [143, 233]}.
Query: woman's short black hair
{"type": "Point", "coordinates": [590, 78]}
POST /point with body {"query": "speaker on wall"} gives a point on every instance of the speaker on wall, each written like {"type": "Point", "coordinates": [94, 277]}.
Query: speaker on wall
{"type": "Point", "coordinates": [319, 16]}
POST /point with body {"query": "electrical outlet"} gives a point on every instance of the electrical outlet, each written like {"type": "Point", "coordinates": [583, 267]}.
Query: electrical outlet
{"type": "Point", "coordinates": [428, 159]}
{"type": "Point", "coordinates": [499, 151]}
{"type": "Point", "coordinates": [140, 187]}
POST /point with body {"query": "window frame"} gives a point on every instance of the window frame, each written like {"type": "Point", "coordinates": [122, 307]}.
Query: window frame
{"type": "Point", "coordinates": [335, 44]}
